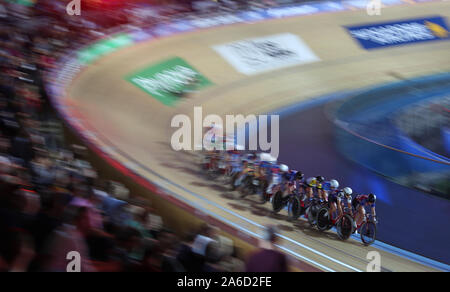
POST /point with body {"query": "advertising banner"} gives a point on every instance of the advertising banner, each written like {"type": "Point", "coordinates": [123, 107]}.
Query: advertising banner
{"type": "Point", "coordinates": [103, 47]}
{"type": "Point", "coordinates": [396, 33]}
{"type": "Point", "coordinates": [253, 56]}
{"type": "Point", "coordinates": [169, 80]}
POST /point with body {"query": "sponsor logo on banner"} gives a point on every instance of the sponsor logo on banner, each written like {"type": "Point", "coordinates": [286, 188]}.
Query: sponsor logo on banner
{"type": "Point", "coordinates": [253, 56]}
{"type": "Point", "coordinates": [400, 32]}
{"type": "Point", "coordinates": [169, 80]}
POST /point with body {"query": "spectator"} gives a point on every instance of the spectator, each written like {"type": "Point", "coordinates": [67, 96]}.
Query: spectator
{"type": "Point", "coordinates": [70, 237]}
{"type": "Point", "coordinates": [229, 261]}
{"type": "Point", "coordinates": [267, 259]}
{"type": "Point", "coordinates": [190, 261]}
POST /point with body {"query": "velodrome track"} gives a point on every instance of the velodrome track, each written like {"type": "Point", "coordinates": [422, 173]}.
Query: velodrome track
{"type": "Point", "coordinates": [135, 128]}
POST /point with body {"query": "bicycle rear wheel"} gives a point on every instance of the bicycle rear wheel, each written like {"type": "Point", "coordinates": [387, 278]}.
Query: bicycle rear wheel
{"type": "Point", "coordinates": [323, 219]}
{"type": "Point", "coordinates": [233, 181]}
{"type": "Point", "coordinates": [247, 188]}
{"type": "Point", "coordinates": [368, 233]}
{"type": "Point", "coordinates": [345, 227]}
{"type": "Point", "coordinates": [261, 190]}
{"type": "Point", "coordinates": [213, 174]}
{"type": "Point", "coordinates": [277, 202]}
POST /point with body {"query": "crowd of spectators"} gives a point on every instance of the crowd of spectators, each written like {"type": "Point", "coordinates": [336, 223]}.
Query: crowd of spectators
{"type": "Point", "coordinates": [429, 132]}
{"type": "Point", "coordinates": [52, 201]}
{"type": "Point", "coordinates": [432, 133]}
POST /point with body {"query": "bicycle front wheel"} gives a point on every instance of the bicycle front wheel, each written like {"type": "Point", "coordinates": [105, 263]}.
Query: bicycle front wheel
{"type": "Point", "coordinates": [311, 216]}
{"type": "Point", "coordinates": [368, 233]}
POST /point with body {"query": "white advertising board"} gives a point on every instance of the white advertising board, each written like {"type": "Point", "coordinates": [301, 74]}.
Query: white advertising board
{"type": "Point", "coordinates": [254, 56]}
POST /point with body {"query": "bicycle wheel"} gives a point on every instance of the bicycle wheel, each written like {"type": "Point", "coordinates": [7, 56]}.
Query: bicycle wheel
{"type": "Point", "coordinates": [294, 208]}
{"type": "Point", "coordinates": [323, 219]}
{"type": "Point", "coordinates": [262, 192]}
{"type": "Point", "coordinates": [233, 181]}
{"type": "Point", "coordinates": [368, 233]}
{"type": "Point", "coordinates": [311, 215]}
{"type": "Point", "coordinates": [212, 175]}
{"type": "Point", "coordinates": [277, 202]}
{"type": "Point", "coordinates": [246, 187]}
{"type": "Point", "coordinates": [345, 227]}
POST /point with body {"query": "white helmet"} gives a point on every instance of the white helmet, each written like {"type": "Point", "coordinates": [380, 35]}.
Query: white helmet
{"type": "Point", "coordinates": [334, 184]}
{"type": "Point", "coordinates": [348, 191]}
{"type": "Point", "coordinates": [265, 157]}
{"type": "Point", "coordinates": [239, 147]}
{"type": "Point", "coordinates": [284, 168]}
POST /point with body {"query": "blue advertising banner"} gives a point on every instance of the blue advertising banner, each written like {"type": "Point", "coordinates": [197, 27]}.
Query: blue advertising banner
{"type": "Point", "coordinates": [386, 34]}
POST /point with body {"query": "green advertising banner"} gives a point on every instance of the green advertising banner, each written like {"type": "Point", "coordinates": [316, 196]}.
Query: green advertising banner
{"type": "Point", "coordinates": [103, 47]}
{"type": "Point", "coordinates": [23, 2]}
{"type": "Point", "coordinates": [169, 80]}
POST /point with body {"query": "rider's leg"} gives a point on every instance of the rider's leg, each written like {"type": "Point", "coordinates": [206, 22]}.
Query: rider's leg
{"type": "Point", "coordinates": [349, 206]}
{"type": "Point", "coordinates": [310, 193]}
{"type": "Point", "coordinates": [322, 195]}
{"type": "Point", "coordinates": [270, 187]}
{"type": "Point", "coordinates": [240, 178]}
{"type": "Point", "coordinates": [360, 215]}
{"type": "Point", "coordinates": [332, 210]}
{"type": "Point", "coordinates": [339, 207]}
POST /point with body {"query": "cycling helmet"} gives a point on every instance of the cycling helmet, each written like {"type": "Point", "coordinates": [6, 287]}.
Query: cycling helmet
{"type": "Point", "coordinates": [284, 168]}
{"type": "Point", "coordinates": [251, 156]}
{"type": "Point", "coordinates": [239, 147]}
{"type": "Point", "coordinates": [320, 178]}
{"type": "Point", "coordinates": [311, 181]}
{"type": "Point", "coordinates": [265, 157]}
{"type": "Point", "coordinates": [348, 191]}
{"type": "Point", "coordinates": [372, 198]}
{"type": "Point", "coordinates": [334, 184]}
{"type": "Point", "coordinates": [299, 175]}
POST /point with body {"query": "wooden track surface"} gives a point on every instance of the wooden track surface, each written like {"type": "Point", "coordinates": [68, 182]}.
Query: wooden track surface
{"type": "Point", "coordinates": [138, 126]}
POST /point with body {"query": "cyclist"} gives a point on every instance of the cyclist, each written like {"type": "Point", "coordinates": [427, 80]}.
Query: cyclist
{"type": "Point", "coordinates": [233, 159]}
{"type": "Point", "coordinates": [319, 187]}
{"type": "Point", "coordinates": [276, 176]}
{"type": "Point", "coordinates": [292, 179]}
{"type": "Point", "coordinates": [266, 163]}
{"type": "Point", "coordinates": [314, 183]}
{"type": "Point", "coordinates": [300, 182]}
{"type": "Point", "coordinates": [359, 203]}
{"type": "Point", "coordinates": [335, 200]}
{"type": "Point", "coordinates": [285, 177]}
{"type": "Point", "coordinates": [329, 187]}
{"type": "Point", "coordinates": [248, 168]}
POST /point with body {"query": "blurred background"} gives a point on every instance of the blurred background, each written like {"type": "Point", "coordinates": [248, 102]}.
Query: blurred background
{"type": "Point", "coordinates": [52, 200]}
